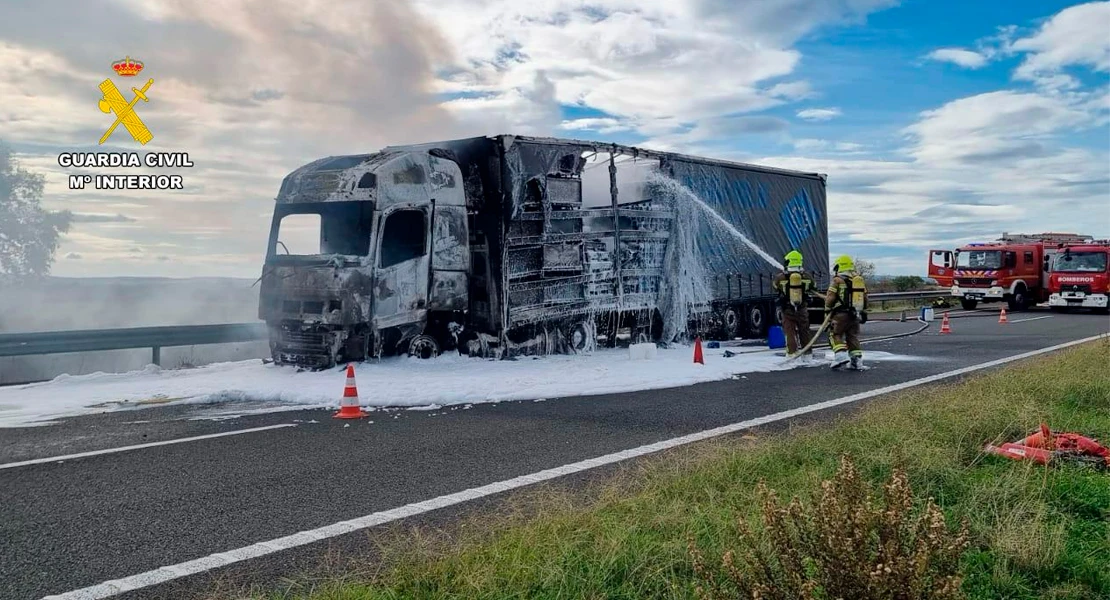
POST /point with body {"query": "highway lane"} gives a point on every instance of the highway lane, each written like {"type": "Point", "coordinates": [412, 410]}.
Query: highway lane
{"type": "Point", "coordinates": [74, 524]}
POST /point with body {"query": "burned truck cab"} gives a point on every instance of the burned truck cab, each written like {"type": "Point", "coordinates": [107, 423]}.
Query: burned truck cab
{"type": "Point", "coordinates": [367, 255]}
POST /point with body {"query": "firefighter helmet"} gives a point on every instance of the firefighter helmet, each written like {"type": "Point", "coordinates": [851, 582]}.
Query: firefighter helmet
{"type": "Point", "coordinates": [844, 263]}
{"type": "Point", "coordinates": [794, 260]}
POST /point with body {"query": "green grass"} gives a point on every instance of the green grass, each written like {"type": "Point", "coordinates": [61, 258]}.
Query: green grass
{"type": "Point", "coordinates": [1035, 532]}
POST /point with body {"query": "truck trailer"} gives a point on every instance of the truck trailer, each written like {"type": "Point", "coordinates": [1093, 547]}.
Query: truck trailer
{"type": "Point", "coordinates": [504, 245]}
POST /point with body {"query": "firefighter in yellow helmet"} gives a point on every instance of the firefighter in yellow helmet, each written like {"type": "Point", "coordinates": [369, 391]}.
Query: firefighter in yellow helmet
{"type": "Point", "coordinates": [846, 300]}
{"type": "Point", "coordinates": [794, 287]}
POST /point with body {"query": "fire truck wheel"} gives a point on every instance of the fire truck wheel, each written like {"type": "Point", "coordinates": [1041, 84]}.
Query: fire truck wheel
{"type": "Point", "coordinates": [968, 304]}
{"type": "Point", "coordinates": [424, 346]}
{"type": "Point", "coordinates": [1019, 300]}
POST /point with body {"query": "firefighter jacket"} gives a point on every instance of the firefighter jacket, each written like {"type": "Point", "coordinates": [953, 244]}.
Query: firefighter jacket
{"type": "Point", "coordinates": [793, 292]}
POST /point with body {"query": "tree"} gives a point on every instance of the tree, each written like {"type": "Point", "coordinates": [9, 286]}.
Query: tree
{"type": "Point", "coordinates": [28, 232]}
{"type": "Point", "coordinates": [864, 268]}
{"type": "Point", "coordinates": [907, 283]}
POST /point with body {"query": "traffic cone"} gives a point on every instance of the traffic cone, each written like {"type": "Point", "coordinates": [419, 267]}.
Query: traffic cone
{"type": "Point", "coordinates": [1002, 316]}
{"type": "Point", "coordinates": [698, 358]}
{"type": "Point", "coordinates": [348, 405]}
{"type": "Point", "coordinates": [944, 327]}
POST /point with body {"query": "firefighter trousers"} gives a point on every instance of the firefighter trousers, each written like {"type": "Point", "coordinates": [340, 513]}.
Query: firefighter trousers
{"type": "Point", "coordinates": [844, 333]}
{"type": "Point", "coordinates": [795, 324]}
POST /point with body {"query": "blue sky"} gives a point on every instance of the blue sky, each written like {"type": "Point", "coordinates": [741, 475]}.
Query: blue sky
{"type": "Point", "coordinates": [938, 122]}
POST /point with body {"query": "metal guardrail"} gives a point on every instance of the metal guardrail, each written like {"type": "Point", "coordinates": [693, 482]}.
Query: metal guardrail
{"type": "Point", "coordinates": [916, 295]}
{"type": "Point", "coordinates": [155, 338]}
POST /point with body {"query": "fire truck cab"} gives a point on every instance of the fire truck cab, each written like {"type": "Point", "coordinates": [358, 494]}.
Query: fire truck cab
{"type": "Point", "coordinates": [1079, 276]}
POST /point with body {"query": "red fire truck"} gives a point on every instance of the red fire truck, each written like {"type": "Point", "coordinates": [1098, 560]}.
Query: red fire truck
{"type": "Point", "coordinates": [1010, 269]}
{"type": "Point", "coordinates": [1079, 277]}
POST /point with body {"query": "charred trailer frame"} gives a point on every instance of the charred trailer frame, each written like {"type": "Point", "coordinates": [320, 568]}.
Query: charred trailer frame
{"type": "Point", "coordinates": [502, 245]}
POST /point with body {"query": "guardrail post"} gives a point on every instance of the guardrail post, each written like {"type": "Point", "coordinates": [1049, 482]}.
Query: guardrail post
{"type": "Point", "coordinates": [156, 355]}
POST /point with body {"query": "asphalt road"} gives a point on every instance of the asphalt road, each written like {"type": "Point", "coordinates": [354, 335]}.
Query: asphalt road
{"type": "Point", "coordinates": [70, 524]}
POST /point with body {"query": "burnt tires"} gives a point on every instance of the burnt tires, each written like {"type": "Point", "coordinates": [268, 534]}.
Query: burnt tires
{"type": "Point", "coordinates": [968, 304]}
{"type": "Point", "coordinates": [732, 323]}
{"type": "Point", "coordinates": [582, 337]}
{"type": "Point", "coordinates": [757, 320]}
{"type": "Point", "coordinates": [424, 346]}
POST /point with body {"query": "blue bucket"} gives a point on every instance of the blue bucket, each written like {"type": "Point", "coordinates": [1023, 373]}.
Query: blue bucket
{"type": "Point", "coordinates": [776, 338]}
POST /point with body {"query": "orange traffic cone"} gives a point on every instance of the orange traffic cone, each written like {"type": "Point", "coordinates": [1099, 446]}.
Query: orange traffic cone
{"type": "Point", "coordinates": [944, 327]}
{"type": "Point", "coordinates": [348, 405]}
{"type": "Point", "coordinates": [1002, 317]}
{"type": "Point", "coordinates": [697, 351]}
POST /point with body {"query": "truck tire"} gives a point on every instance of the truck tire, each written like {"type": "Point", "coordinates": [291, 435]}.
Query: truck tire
{"type": "Point", "coordinates": [757, 320]}
{"type": "Point", "coordinates": [1019, 300]}
{"type": "Point", "coordinates": [732, 323]}
{"type": "Point", "coordinates": [582, 337]}
{"type": "Point", "coordinates": [423, 346]}
{"type": "Point", "coordinates": [968, 304]}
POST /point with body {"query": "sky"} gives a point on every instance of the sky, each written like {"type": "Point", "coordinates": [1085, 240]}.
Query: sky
{"type": "Point", "coordinates": [938, 122]}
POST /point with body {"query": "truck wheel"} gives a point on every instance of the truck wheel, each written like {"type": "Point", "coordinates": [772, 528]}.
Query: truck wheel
{"type": "Point", "coordinates": [1019, 300]}
{"type": "Point", "coordinates": [424, 346]}
{"type": "Point", "coordinates": [756, 320]}
{"type": "Point", "coordinates": [968, 304]}
{"type": "Point", "coordinates": [732, 323]}
{"type": "Point", "coordinates": [582, 337]}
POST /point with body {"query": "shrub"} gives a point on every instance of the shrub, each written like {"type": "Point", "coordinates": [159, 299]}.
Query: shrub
{"type": "Point", "coordinates": [849, 545]}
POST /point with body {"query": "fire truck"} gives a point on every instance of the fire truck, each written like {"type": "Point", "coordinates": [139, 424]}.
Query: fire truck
{"type": "Point", "coordinates": [1012, 269]}
{"type": "Point", "coordinates": [1079, 276]}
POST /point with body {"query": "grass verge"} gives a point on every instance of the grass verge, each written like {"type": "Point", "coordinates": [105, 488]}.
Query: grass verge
{"type": "Point", "coordinates": [1035, 533]}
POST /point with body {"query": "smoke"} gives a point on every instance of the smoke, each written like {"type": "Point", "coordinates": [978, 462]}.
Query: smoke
{"type": "Point", "coordinates": [55, 304]}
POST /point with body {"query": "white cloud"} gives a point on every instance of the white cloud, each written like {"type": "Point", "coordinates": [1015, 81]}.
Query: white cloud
{"type": "Point", "coordinates": [819, 114]}
{"type": "Point", "coordinates": [1076, 36]}
{"type": "Point", "coordinates": [969, 59]}
{"type": "Point", "coordinates": [598, 124]}
{"type": "Point", "coordinates": [973, 167]}
{"type": "Point", "coordinates": [297, 81]}
{"type": "Point", "coordinates": [996, 126]}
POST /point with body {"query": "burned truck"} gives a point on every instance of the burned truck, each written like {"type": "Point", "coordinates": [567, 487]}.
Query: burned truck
{"type": "Point", "coordinates": [505, 245]}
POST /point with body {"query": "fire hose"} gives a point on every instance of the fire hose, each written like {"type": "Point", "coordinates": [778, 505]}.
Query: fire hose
{"type": "Point", "coordinates": [924, 326]}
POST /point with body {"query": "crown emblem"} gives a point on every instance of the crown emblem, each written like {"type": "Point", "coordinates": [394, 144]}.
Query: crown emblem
{"type": "Point", "coordinates": [127, 67]}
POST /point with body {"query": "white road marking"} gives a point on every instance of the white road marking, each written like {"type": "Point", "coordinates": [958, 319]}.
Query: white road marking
{"type": "Point", "coordinates": [1031, 319]}
{"type": "Point", "coordinates": [212, 561]}
{"type": "Point", "coordinates": [53, 459]}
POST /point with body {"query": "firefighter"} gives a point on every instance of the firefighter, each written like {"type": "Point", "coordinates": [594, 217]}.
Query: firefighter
{"type": "Point", "coordinates": [794, 287]}
{"type": "Point", "coordinates": [846, 301]}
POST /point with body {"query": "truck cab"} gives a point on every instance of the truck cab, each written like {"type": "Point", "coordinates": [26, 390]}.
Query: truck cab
{"type": "Point", "coordinates": [365, 251]}
{"type": "Point", "coordinates": [1079, 277]}
{"type": "Point", "coordinates": [998, 272]}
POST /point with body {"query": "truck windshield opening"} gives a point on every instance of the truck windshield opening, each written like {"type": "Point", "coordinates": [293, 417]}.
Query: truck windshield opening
{"type": "Point", "coordinates": [1080, 262]}
{"type": "Point", "coordinates": [979, 259]}
{"type": "Point", "coordinates": [319, 228]}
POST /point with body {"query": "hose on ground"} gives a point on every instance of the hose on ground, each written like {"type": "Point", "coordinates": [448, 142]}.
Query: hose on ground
{"type": "Point", "coordinates": [808, 346]}
{"type": "Point", "coordinates": [924, 326]}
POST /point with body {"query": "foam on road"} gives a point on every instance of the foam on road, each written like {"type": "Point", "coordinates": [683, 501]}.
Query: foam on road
{"type": "Point", "coordinates": [447, 380]}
